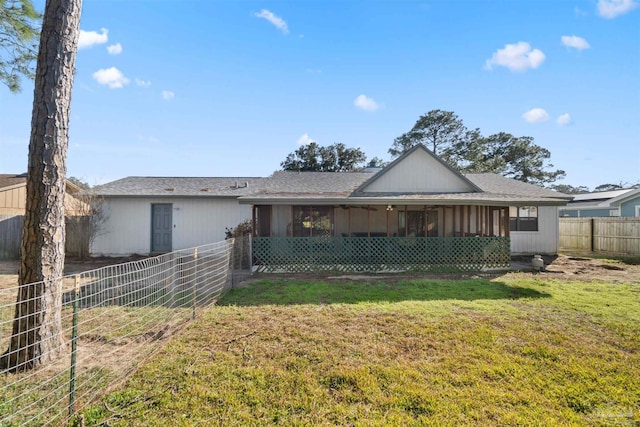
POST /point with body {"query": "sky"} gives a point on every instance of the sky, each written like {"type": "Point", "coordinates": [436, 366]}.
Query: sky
{"type": "Point", "coordinates": [230, 88]}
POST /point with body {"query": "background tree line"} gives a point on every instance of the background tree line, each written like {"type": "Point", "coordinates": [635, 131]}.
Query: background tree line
{"type": "Point", "coordinates": [465, 150]}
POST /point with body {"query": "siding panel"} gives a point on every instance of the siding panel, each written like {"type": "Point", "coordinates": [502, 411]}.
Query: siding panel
{"type": "Point", "coordinates": [196, 222]}
{"type": "Point", "coordinates": [419, 172]}
{"type": "Point", "coordinates": [544, 241]}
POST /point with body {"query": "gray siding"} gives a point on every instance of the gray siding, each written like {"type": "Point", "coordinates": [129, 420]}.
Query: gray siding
{"type": "Point", "coordinates": [628, 208]}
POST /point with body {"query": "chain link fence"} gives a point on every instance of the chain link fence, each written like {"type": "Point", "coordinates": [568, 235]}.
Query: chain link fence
{"type": "Point", "coordinates": [110, 320]}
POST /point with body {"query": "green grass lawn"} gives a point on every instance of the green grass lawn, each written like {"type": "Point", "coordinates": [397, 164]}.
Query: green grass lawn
{"type": "Point", "coordinates": [515, 350]}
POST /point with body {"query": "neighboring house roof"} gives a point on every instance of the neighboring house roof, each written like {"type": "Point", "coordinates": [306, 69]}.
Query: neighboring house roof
{"type": "Point", "coordinates": [10, 181]}
{"type": "Point", "coordinates": [597, 200]}
{"type": "Point", "coordinates": [149, 186]}
{"type": "Point", "coordinates": [616, 201]}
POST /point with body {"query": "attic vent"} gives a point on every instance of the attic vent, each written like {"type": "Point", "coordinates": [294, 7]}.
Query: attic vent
{"type": "Point", "coordinates": [170, 189]}
{"type": "Point", "coordinates": [205, 189]}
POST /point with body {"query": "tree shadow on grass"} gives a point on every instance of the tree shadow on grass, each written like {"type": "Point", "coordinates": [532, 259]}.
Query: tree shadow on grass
{"type": "Point", "coordinates": [289, 292]}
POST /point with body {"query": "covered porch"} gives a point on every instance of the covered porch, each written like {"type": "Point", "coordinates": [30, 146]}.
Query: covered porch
{"type": "Point", "coordinates": [378, 237]}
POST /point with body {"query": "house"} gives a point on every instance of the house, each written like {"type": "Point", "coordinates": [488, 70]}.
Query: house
{"type": "Point", "coordinates": [416, 210]}
{"type": "Point", "coordinates": [13, 198]}
{"type": "Point", "coordinates": [627, 204]}
{"type": "Point", "coordinates": [417, 195]}
{"type": "Point", "coordinates": [602, 204]}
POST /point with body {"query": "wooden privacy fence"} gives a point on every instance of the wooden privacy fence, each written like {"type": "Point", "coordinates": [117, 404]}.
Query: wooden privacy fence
{"type": "Point", "coordinates": [302, 254]}
{"type": "Point", "coordinates": [10, 236]}
{"type": "Point", "coordinates": [76, 239]}
{"type": "Point", "coordinates": [607, 235]}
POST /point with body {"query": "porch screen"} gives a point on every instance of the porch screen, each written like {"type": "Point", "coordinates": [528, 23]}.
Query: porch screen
{"type": "Point", "coordinates": [312, 221]}
{"type": "Point", "coordinates": [414, 223]}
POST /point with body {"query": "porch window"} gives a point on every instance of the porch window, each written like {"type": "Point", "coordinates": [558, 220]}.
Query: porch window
{"type": "Point", "coordinates": [312, 221]}
{"type": "Point", "coordinates": [523, 218]}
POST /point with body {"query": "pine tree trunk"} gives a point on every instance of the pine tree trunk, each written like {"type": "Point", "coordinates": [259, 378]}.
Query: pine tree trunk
{"type": "Point", "coordinates": [37, 337]}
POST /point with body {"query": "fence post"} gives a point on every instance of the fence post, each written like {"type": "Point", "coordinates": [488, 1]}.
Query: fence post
{"type": "Point", "coordinates": [195, 283]}
{"type": "Point", "coordinates": [592, 231]}
{"type": "Point", "coordinates": [74, 347]}
{"type": "Point", "coordinates": [251, 254]}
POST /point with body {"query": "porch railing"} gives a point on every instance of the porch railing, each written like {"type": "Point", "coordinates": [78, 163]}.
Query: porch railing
{"type": "Point", "coordinates": [301, 254]}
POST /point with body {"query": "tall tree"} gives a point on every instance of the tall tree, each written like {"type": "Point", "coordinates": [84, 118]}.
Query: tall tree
{"type": "Point", "coordinates": [528, 162]}
{"type": "Point", "coordinates": [609, 187]}
{"type": "Point", "coordinates": [19, 30]}
{"type": "Point", "coordinates": [570, 189]}
{"type": "Point", "coordinates": [316, 158]}
{"type": "Point", "coordinates": [504, 154]}
{"type": "Point", "coordinates": [36, 337]}
{"type": "Point", "coordinates": [437, 130]}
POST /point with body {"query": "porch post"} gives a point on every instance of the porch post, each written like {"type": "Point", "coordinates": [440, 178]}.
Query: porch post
{"type": "Point", "coordinates": [254, 224]}
{"type": "Point", "coordinates": [387, 222]}
{"type": "Point", "coordinates": [462, 222]}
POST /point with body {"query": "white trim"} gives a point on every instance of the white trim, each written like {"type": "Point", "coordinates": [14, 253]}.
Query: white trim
{"type": "Point", "coordinates": [637, 211]}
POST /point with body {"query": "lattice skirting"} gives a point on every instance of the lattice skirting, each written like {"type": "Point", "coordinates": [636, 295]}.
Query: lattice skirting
{"type": "Point", "coordinates": [304, 254]}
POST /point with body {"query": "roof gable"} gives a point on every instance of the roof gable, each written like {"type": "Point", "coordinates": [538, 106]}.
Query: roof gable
{"type": "Point", "coordinates": [631, 194]}
{"type": "Point", "coordinates": [418, 171]}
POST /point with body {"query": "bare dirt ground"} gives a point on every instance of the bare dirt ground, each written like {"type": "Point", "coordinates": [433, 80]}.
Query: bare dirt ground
{"type": "Point", "coordinates": [9, 269]}
{"type": "Point", "coordinates": [587, 269]}
{"type": "Point", "coordinates": [562, 267]}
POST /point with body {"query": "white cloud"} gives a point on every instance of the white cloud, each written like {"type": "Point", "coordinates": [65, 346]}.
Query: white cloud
{"type": "Point", "coordinates": [575, 42]}
{"type": "Point", "coordinates": [516, 57]}
{"type": "Point", "coordinates": [278, 22]}
{"type": "Point", "coordinates": [579, 12]}
{"type": "Point", "coordinates": [365, 103]}
{"type": "Point", "coordinates": [114, 49]}
{"type": "Point", "coordinates": [111, 77]}
{"type": "Point", "coordinates": [305, 139]}
{"type": "Point", "coordinates": [564, 119]}
{"type": "Point", "coordinates": [167, 95]}
{"type": "Point", "coordinates": [611, 8]}
{"type": "Point", "coordinates": [90, 38]}
{"type": "Point", "coordinates": [143, 83]}
{"type": "Point", "coordinates": [536, 115]}
{"type": "Point", "coordinates": [148, 138]}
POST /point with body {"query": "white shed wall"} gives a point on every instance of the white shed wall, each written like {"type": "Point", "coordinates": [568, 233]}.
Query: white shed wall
{"type": "Point", "coordinates": [544, 241]}
{"type": "Point", "coordinates": [195, 222]}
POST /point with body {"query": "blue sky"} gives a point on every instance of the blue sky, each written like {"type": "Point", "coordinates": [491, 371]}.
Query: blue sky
{"type": "Point", "coordinates": [222, 88]}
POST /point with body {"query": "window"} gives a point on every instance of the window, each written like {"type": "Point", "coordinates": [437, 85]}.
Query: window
{"type": "Point", "coordinates": [523, 218]}
{"type": "Point", "coordinates": [312, 221]}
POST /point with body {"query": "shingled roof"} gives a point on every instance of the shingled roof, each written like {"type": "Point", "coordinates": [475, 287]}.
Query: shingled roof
{"type": "Point", "coordinates": [12, 180]}
{"type": "Point", "coordinates": [325, 187]}
{"type": "Point", "coordinates": [150, 186]}
{"type": "Point", "coordinates": [340, 187]}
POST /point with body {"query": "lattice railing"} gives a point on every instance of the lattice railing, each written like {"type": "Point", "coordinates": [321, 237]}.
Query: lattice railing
{"type": "Point", "coordinates": [297, 254]}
